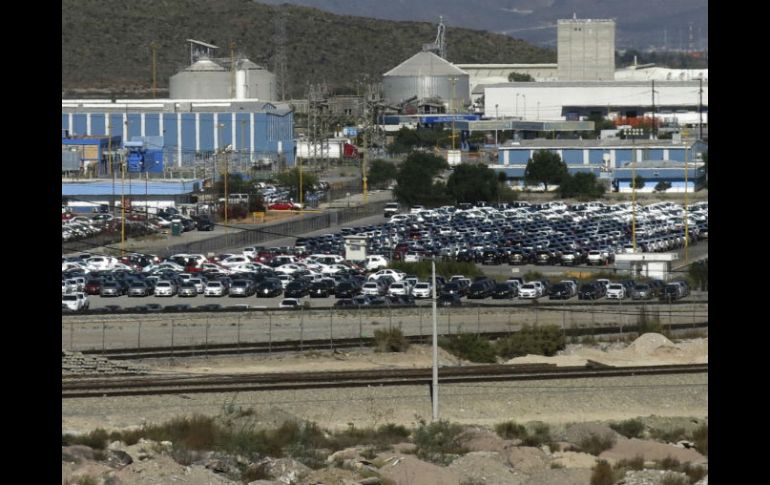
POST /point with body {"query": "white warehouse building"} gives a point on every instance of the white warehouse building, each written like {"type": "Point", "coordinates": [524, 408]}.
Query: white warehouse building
{"type": "Point", "coordinates": [579, 99]}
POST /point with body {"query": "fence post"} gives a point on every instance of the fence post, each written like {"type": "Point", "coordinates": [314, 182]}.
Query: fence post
{"type": "Point", "coordinates": [238, 335]}
{"type": "Point", "coordinates": [269, 333]}
{"type": "Point", "coordinates": [104, 329]}
{"type": "Point", "coordinates": [419, 313]}
{"type": "Point", "coordinates": [72, 335]}
{"type": "Point", "coordinates": [139, 336]}
{"type": "Point", "coordinates": [331, 330]}
{"type": "Point", "coordinates": [390, 318]}
{"type": "Point", "coordinates": [361, 328]}
{"type": "Point", "coordinates": [172, 340]}
{"type": "Point", "coordinates": [206, 340]}
{"type": "Point", "coordinates": [449, 321]}
{"type": "Point", "coordinates": [301, 328]}
{"type": "Point", "coordinates": [478, 320]}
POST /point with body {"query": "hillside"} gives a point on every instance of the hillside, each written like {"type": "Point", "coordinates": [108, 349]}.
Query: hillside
{"type": "Point", "coordinates": [106, 43]}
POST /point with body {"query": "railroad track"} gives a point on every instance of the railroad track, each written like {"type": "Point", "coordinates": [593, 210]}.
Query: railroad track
{"type": "Point", "coordinates": [180, 351]}
{"type": "Point", "coordinates": [155, 385]}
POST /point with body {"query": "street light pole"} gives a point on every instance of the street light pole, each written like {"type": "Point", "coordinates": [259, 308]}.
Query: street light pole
{"type": "Point", "coordinates": [434, 396]}
{"type": "Point", "coordinates": [497, 116]}
{"type": "Point", "coordinates": [633, 133]}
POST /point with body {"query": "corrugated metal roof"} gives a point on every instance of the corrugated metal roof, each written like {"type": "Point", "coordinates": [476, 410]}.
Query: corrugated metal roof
{"type": "Point", "coordinates": [426, 64]}
{"type": "Point", "coordinates": [205, 65]}
{"type": "Point", "coordinates": [604, 144]}
{"type": "Point", "coordinates": [134, 187]}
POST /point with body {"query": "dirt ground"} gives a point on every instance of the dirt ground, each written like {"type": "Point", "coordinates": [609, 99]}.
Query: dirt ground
{"type": "Point", "coordinates": [648, 349]}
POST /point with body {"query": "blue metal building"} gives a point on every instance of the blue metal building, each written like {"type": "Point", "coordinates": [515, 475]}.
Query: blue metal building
{"type": "Point", "coordinates": [613, 159]}
{"type": "Point", "coordinates": [191, 129]}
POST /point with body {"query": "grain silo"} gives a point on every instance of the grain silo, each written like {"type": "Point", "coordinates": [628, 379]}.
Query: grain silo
{"type": "Point", "coordinates": [205, 79]}
{"type": "Point", "coordinates": [253, 81]}
{"type": "Point", "coordinates": [427, 75]}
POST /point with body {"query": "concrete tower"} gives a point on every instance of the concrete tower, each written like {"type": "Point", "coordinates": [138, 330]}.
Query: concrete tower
{"type": "Point", "coordinates": [586, 50]}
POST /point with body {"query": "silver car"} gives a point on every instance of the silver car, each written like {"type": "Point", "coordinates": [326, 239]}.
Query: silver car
{"type": "Point", "coordinates": [215, 288]}
{"type": "Point", "coordinates": [165, 288]}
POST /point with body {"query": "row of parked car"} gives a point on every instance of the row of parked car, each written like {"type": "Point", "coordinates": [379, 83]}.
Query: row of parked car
{"type": "Point", "coordinates": [522, 233]}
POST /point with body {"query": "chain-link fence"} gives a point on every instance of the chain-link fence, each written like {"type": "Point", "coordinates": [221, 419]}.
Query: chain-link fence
{"type": "Point", "coordinates": [105, 333]}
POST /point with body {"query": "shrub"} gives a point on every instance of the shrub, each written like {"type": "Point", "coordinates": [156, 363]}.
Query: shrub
{"type": "Point", "coordinates": [437, 442]}
{"type": "Point", "coordinates": [511, 430]}
{"type": "Point", "coordinates": [392, 340]}
{"type": "Point", "coordinates": [694, 473]}
{"type": "Point", "coordinates": [541, 434]}
{"type": "Point", "coordinates": [469, 347]}
{"type": "Point", "coordinates": [379, 439]}
{"type": "Point", "coordinates": [668, 463]}
{"type": "Point", "coordinates": [96, 439]}
{"type": "Point", "coordinates": [635, 463]}
{"type": "Point", "coordinates": [672, 436]}
{"type": "Point", "coordinates": [672, 479]}
{"type": "Point", "coordinates": [595, 444]}
{"type": "Point", "coordinates": [701, 439]}
{"type": "Point", "coordinates": [630, 428]}
{"type": "Point", "coordinates": [602, 474]}
{"type": "Point", "coordinates": [446, 269]}
{"type": "Point", "coordinates": [544, 340]}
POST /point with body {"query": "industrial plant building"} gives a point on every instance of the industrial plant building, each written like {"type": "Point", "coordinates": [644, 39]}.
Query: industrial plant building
{"type": "Point", "coordinates": [616, 160]}
{"type": "Point", "coordinates": [426, 75]}
{"type": "Point", "coordinates": [191, 129]}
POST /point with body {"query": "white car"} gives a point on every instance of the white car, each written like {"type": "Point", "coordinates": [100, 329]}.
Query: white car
{"type": "Point", "coordinates": [285, 279]}
{"type": "Point", "coordinates": [396, 275]}
{"type": "Point", "coordinates": [233, 261]}
{"type": "Point", "coordinates": [528, 290]}
{"type": "Point", "coordinates": [616, 291]}
{"type": "Point", "coordinates": [289, 303]}
{"type": "Point", "coordinates": [375, 262]}
{"type": "Point", "coordinates": [289, 269]}
{"type": "Point", "coordinates": [399, 288]}
{"type": "Point", "coordinates": [75, 301]}
{"type": "Point", "coordinates": [372, 288]}
{"type": "Point", "coordinates": [422, 290]}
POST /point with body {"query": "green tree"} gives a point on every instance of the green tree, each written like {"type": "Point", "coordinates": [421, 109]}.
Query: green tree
{"type": "Point", "coordinates": [545, 168]}
{"type": "Point", "coordinates": [639, 182]}
{"type": "Point", "coordinates": [520, 77]}
{"type": "Point", "coordinates": [662, 186]}
{"type": "Point", "coordinates": [703, 180]}
{"type": "Point", "coordinates": [381, 173]}
{"type": "Point", "coordinates": [414, 182]}
{"type": "Point", "coordinates": [290, 180]}
{"type": "Point", "coordinates": [471, 183]}
{"type": "Point", "coordinates": [583, 185]}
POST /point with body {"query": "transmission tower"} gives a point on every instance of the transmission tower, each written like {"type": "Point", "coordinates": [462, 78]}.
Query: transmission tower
{"type": "Point", "coordinates": [439, 46]}
{"type": "Point", "coordinates": [279, 59]}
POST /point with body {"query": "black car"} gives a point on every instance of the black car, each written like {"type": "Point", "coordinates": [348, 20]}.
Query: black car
{"type": "Point", "coordinates": [560, 291]}
{"type": "Point", "coordinates": [347, 289]}
{"type": "Point", "coordinates": [297, 288]}
{"type": "Point", "coordinates": [481, 289]}
{"type": "Point", "coordinates": [492, 256]}
{"type": "Point", "coordinates": [590, 291]}
{"type": "Point", "coordinates": [321, 289]}
{"type": "Point", "coordinates": [344, 303]}
{"type": "Point", "coordinates": [269, 288]}
{"type": "Point", "coordinates": [504, 290]}
{"type": "Point", "coordinates": [447, 299]}
{"type": "Point", "coordinates": [203, 223]}
{"type": "Point", "coordinates": [453, 289]}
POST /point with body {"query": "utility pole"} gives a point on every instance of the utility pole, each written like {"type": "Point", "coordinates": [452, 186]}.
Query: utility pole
{"type": "Point", "coordinates": [654, 132]}
{"type": "Point", "coordinates": [232, 71]}
{"type": "Point", "coordinates": [434, 396]}
{"type": "Point", "coordinates": [700, 108]}
{"type": "Point", "coordinates": [154, 48]}
{"type": "Point", "coordinates": [686, 231]}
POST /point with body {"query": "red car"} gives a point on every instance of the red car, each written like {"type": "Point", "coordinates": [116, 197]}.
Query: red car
{"type": "Point", "coordinates": [93, 287]}
{"type": "Point", "coordinates": [284, 206]}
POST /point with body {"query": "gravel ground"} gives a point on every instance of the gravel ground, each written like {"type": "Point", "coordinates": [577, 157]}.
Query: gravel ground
{"type": "Point", "coordinates": [553, 401]}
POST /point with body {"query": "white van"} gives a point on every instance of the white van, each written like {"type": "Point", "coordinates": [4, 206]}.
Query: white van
{"type": "Point", "coordinates": [375, 262]}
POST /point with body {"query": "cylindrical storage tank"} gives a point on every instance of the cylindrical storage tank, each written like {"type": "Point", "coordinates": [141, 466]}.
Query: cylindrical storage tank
{"type": "Point", "coordinates": [203, 80]}
{"type": "Point", "coordinates": [256, 81]}
{"type": "Point", "coordinates": [426, 75]}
